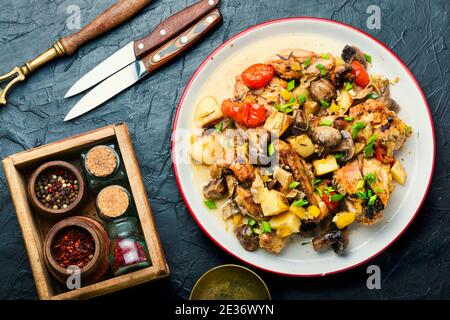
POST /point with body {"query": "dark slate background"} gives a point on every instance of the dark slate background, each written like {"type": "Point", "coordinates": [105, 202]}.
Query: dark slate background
{"type": "Point", "coordinates": [416, 266]}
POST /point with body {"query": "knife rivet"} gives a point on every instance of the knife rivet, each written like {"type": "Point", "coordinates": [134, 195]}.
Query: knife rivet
{"type": "Point", "coordinates": [211, 2]}
{"type": "Point", "coordinates": [156, 57]}
{"type": "Point", "coordinates": [141, 46]}
{"type": "Point", "coordinates": [184, 39]}
{"type": "Point", "coordinates": [209, 19]}
{"type": "Point", "coordinates": [162, 32]}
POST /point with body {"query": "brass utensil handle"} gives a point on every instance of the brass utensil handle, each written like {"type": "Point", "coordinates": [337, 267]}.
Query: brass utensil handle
{"type": "Point", "coordinates": [117, 14]}
{"type": "Point", "coordinates": [180, 44]}
{"type": "Point", "coordinates": [173, 26]}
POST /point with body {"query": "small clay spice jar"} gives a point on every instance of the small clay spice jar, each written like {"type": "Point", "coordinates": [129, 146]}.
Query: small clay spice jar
{"type": "Point", "coordinates": [113, 202]}
{"type": "Point", "coordinates": [73, 246]}
{"type": "Point", "coordinates": [128, 249]}
{"type": "Point", "coordinates": [102, 165]}
{"type": "Point", "coordinates": [56, 189]}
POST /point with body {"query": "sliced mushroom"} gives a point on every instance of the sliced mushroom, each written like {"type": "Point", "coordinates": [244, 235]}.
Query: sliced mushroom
{"type": "Point", "coordinates": [353, 53]}
{"type": "Point", "coordinates": [215, 189]}
{"type": "Point", "coordinates": [231, 185]}
{"type": "Point", "coordinates": [337, 239]}
{"type": "Point", "coordinates": [229, 209]}
{"type": "Point", "coordinates": [301, 123]}
{"type": "Point", "coordinates": [326, 136]}
{"type": "Point", "coordinates": [322, 89]}
{"type": "Point", "coordinates": [246, 204]}
{"type": "Point", "coordinates": [247, 238]}
{"type": "Point", "coordinates": [346, 147]}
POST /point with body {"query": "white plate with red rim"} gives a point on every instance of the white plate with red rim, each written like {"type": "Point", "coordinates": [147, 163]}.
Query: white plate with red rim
{"type": "Point", "coordinates": [215, 76]}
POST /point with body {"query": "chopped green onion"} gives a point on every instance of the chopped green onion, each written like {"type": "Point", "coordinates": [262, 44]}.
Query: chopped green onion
{"type": "Point", "coordinates": [360, 185]}
{"type": "Point", "coordinates": [322, 69]}
{"type": "Point", "coordinates": [307, 62]}
{"type": "Point", "coordinates": [349, 119]}
{"type": "Point", "coordinates": [356, 128]}
{"type": "Point", "coordinates": [325, 103]}
{"type": "Point", "coordinates": [291, 85]}
{"type": "Point", "coordinates": [325, 56]}
{"type": "Point", "coordinates": [319, 192]}
{"type": "Point", "coordinates": [300, 203]}
{"type": "Point", "coordinates": [368, 57]}
{"type": "Point", "coordinates": [285, 107]}
{"type": "Point", "coordinates": [271, 149]}
{"type": "Point", "coordinates": [372, 95]}
{"type": "Point", "coordinates": [219, 126]}
{"type": "Point", "coordinates": [265, 226]}
{"type": "Point", "coordinates": [369, 193]}
{"type": "Point", "coordinates": [251, 222]}
{"type": "Point", "coordinates": [326, 122]}
{"type": "Point", "coordinates": [362, 195]}
{"type": "Point", "coordinates": [294, 184]}
{"type": "Point", "coordinates": [336, 197]}
{"type": "Point", "coordinates": [256, 230]}
{"type": "Point", "coordinates": [379, 190]}
{"type": "Point", "coordinates": [316, 181]}
{"type": "Point", "coordinates": [328, 190]}
{"type": "Point", "coordinates": [370, 177]}
{"type": "Point", "coordinates": [369, 149]}
{"type": "Point", "coordinates": [338, 156]}
{"type": "Point", "coordinates": [302, 98]}
{"type": "Point", "coordinates": [372, 200]}
{"type": "Point", "coordinates": [348, 85]}
{"type": "Point", "coordinates": [211, 204]}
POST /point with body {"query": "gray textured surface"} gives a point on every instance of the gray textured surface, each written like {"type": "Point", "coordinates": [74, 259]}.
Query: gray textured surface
{"type": "Point", "coordinates": [416, 266]}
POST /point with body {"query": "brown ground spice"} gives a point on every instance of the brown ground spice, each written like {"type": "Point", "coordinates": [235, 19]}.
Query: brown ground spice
{"type": "Point", "coordinates": [101, 161]}
{"type": "Point", "coordinates": [113, 201]}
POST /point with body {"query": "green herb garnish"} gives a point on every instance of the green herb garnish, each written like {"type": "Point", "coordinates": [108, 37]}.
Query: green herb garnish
{"type": "Point", "coordinates": [362, 195]}
{"type": "Point", "coordinates": [300, 203]}
{"type": "Point", "coordinates": [325, 56]}
{"type": "Point", "coordinates": [316, 181]}
{"type": "Point", "coordinates": [379, 190]}
{"type": "Point", "coordinates": [291, 85]}
{"type": "Point", "coordinates": [372, 200]}
{"type": "Point", "coordinates": [256, 230]}
{"type": "Point", "coordinates": [360, 185]}
{"type": "Point", "coordinates": [322, 69]}
{"type": "Point", "coordinates": [338, 156]}
{"type": "Point", "coordinates": [302, 98]}
{"type": "Point", "coordinates": [271, 149]}
{"type": "Point", "coordinates": [336, 197]}
{"type": "Point", "coordinates": [326, 122]}
{"type": "Point", "coordinates": [370, 177]}
{"type": "Point", "coordinates": [294, 184]}
{"type": "Point", "coordinates": [307, 62]}
{"type": "Point", "coordinates": [349, 119]}
{"type": "Point", "coordinates": [348, 85]}
{"type": "Point", "coordinates": [369, 149]}
{"type": "Point", "coordinates": [251, 222]}
{"type": "Point", "coordinates": [325, 104]}
{"type": "Point", "coordinates": [372, 95]}
{"type": "Point", "coordinates": [211, 204]}
{"type": "Point", "coordinates": [219, 126]}
{"type": "Point", "coordinates": [368, 57]}
{"type": "Point", "coordinates": [356, 128]}
{"type": "Point", "coordinates": [265, 226]}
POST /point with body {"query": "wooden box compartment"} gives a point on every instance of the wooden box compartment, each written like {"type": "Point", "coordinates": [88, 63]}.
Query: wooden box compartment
{"type": "Point", "coordinates": [34, 226]}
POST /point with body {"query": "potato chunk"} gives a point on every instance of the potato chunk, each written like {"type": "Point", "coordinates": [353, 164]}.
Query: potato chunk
{"type": "Point", "coordinates": [398, 173]}
{"type": "Point", "coordinates": [324, 166]}
{"type": "Point", "coordinates": [302, 145]}
{"type": "Point", "coordinates": [285, 223]}
{"type": "Point", "coordinates": [277, 123]}
{"type": "Point", "coordinates": [207, 112]}
{"type": "Point", "coordinates": [273, 202]}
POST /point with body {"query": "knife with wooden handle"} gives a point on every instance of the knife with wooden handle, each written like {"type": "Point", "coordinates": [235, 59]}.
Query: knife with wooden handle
{"type": "Point", "coordinates": [135, 50]}
{"type": "Point", "coordinates": [117, 14]}
{"type": "Point", "coordinates": [145, 66]}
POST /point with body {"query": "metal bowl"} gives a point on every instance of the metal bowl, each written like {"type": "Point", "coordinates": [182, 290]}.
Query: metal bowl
{"type": "Point", "coordinates": [230, 282]}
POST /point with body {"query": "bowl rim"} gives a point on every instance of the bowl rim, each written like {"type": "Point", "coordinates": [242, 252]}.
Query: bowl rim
{"type": "Point", "coordinates": [74, 221]}
{"type": "Point", "coordinates": [56, 164]}
{"type": "Point", "coordinates": [274, 21]}
{"type": "Point", "coordinates": [231, 266]}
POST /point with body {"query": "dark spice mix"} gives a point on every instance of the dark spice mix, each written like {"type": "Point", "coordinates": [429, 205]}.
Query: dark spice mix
{"type": "Point", "coordinates": [73, 246]}
{"type": "Point", "coordinates": [56, 188]}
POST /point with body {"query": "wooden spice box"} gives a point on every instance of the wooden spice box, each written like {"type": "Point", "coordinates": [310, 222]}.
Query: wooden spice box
{"type": "Point", "coordinates": [34, 226]}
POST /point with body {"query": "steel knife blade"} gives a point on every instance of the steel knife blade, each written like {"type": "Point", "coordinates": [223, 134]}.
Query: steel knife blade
{"type": "Point", "coordinates": [135, 50]}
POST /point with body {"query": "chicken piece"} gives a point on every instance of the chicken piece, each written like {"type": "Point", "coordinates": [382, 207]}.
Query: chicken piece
{"type": "Point", "coordinates": [346, 178]}
{"type": "Point", "coordinates": [287, 63]}
{"type": "Point", "coordinates": [314, 70]}
{"type": "Point", "coordinates": [244, 200]}
{"type": "Point", "coordinates": [242, 171]}
{"type": "Point", "coordinates": [302, 173]}
{"type": "Point", "coordinates": [341, 74]}
{"type": "Point", "coordinates": [271, 242]}
{"type": "Point", "coordinates": [390, 131]}
{"type": "Point", "coordinates": [240, 89]}
{"type": "Point", "coordinates": [382, 186]}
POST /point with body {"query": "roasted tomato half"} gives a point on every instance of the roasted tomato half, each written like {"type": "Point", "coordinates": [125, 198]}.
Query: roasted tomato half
{"type": "Point", "coordinates": [258, 75]}
{"type": "Point", "coordinates": [248, 114]}
{"type": "Point", "coordinates": [360, 73]}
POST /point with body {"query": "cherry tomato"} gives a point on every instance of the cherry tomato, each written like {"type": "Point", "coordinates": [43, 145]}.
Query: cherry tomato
{"type": "Point", "coordinates": [332, 205]}
{"type": "Point", "coordinates": [248, 114]}
{"type": "Point", "coordinates": [258, 75]}
{"type": "Point", "coordinates": [360, 73]}
{"type": "Point", "coordinates": [380, 155]}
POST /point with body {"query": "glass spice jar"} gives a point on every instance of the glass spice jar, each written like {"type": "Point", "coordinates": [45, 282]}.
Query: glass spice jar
{"type": "Point", "coordinates": [103, 166]}
{"type": "Point", "coordinates": [113, 202]}
{"type": "Point", "coordinates": [128, 249]}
